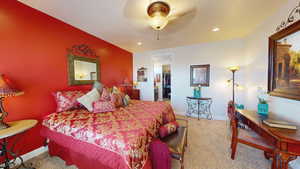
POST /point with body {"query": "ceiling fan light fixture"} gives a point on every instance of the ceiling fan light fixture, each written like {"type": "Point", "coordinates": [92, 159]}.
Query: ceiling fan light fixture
{"type": "Point", "coordinates": [158, 22]}
{"type": "Point", "coordinates": [158, 12]}
{"type": "Point", "coordinates": [216, 29]}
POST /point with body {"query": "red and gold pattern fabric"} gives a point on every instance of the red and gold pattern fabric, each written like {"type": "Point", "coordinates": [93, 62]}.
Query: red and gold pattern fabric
{"type": "Point", "coordinates": [117, 99]}
{"type": "Point", "coordinates": [126, 131]}
{"type": "Point", "coordinates": [67, 100]}
{"type": "Point", "coordinates": [168, 129]}
{"type": "Point", "coordinates": [103, 106]}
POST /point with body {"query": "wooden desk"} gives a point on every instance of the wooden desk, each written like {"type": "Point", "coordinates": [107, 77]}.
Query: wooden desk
{"type": "Point", "coordinates": [287, 142]}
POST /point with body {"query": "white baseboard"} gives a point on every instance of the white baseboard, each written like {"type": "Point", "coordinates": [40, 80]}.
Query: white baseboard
{"type": "Point", "coordinates": [34, 153]}
{"type": "Point", "coordinates": [31, 154]}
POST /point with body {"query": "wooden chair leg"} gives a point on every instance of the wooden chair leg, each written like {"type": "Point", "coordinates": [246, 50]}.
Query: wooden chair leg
{"type": "Point", "coordinates": [271, 156]}
{"type": "Point", "coordinates": [182, 165]}
{"type": "Point", "coordinates": [274, 162]}
{"type": "Point", "coordinates": [182, 162]}
{"type": "Point", "coordinates": [186, 140]}
{"type": "Point", "coordinates": [233, 149]}
{"type": "Point", "coordinates": [268, 156]}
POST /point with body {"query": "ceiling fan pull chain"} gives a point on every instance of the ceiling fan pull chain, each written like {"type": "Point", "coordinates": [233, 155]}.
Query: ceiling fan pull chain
{"type": "Point", "coordinates": [157, 34]}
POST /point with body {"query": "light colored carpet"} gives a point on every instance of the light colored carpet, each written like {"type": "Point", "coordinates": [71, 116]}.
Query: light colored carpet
{"type": "Point", "coordinates": [208, 149]}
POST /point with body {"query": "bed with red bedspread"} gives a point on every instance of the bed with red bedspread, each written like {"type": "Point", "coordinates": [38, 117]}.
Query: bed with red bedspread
{"type": "Point", "coordinates": [111, 140]}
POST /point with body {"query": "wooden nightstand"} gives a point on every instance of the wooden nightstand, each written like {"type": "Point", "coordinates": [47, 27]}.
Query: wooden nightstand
{"type": "Point", "coordinates": [15, 127]}
{"type": "Point", "coordinates": [135, 94]}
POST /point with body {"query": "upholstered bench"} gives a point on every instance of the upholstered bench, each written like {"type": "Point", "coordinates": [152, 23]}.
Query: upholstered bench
{"type": "Point", "coordinates": [177, 142]}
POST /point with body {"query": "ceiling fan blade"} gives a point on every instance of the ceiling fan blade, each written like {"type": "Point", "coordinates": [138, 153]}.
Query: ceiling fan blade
{"type": "Point", "coordinates": [136, 9]}
{"type": "Point", "coordinates": [180, 22]}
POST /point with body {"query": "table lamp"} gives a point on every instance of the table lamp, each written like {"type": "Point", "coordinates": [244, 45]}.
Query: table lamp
{"type": "Point", "coordinates": [6, 90]}
{"type": "Point", "coordinates": [233, 69]}
{"type": "Point", "coordinates": [135, 84]}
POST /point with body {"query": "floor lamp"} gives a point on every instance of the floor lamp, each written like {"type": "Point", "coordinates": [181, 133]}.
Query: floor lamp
{"type": "Point", "coordinates": [233, 69]}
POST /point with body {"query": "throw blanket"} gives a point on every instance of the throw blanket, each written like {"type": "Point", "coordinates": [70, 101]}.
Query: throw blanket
{"type": "Point", "coordinates": [127, 131]}
{"type": "Point", "coordinates": [160, 155]}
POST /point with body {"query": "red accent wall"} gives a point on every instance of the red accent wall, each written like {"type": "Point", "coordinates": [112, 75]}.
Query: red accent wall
{"type": "Point", "coordinates": [33, 55]}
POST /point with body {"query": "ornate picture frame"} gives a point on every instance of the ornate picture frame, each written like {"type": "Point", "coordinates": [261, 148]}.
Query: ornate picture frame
{"type": "Point", "coordinates": [82, 53]}
{"type": "Point", "coordinates": [284, 63]}
{"type": "Point", "coordinates": [142, 74]}
{"type": "Point", "coordinates": [199, 75]}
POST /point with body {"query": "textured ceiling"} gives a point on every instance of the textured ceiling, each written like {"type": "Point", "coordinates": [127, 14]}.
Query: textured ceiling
{"type": "Point", "coordinates": [124, 22]}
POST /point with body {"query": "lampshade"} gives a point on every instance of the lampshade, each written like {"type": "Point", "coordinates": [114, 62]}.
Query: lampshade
{"type": "Point", "coordinates": [158, 12]}
{"type": "Point", "coordinates": [135, 83]}
{"type": "Point", "coordinates": [158, 22]}
{"type": "Point", "coordinates": [7, 89]}
{"type": "Point", "coordinates": [234, 68]}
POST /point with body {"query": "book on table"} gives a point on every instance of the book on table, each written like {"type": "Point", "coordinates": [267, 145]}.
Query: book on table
{"type": "Point", "coordinates": [279, 124]}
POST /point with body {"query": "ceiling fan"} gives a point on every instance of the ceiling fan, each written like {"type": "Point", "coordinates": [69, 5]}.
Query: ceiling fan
{"type": "Point", "coordinates": [160, 14]}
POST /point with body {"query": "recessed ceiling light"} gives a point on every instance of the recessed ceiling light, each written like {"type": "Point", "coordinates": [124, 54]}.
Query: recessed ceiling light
{"type": "Point", "coordinates": [139, 43]}
{"type": "Point", "coordinates": [216, 29]}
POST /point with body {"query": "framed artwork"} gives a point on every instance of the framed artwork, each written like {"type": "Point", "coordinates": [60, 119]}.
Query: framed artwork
{"type": "Point", "coordinates": [200, 75]}
{"type": "Point", "coordinates": [142, 75]}
{"type": "Point", "coordinates": [284, 63]}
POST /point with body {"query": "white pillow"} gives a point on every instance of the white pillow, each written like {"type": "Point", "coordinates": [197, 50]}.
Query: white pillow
{"type": "Point", "coordinates": [88, 99]}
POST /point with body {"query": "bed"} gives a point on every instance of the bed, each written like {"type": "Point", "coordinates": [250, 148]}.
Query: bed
{"type": "Point", "coordinates": [111, 140]}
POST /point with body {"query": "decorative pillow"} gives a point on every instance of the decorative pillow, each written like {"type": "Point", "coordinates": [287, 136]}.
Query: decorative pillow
{"type": "Point", "coordinates": [126, 100]}
{"type": "Point", "coordinates": [116, 90]}
{"type": "Point", "coordinates": [168, 129]}
{"type": "Point", "coordinates": [67, 100]}
{"type": "Point", "coordinates": [103, 106]}
{"type": "Point", "coordinates": [117, 99]}
{"type": "Point", "coordinates": [98, 86]}
{"type": "Point", "coordinates": [105, 94]}
{"type": "Point", "coordinates": [88, 99]}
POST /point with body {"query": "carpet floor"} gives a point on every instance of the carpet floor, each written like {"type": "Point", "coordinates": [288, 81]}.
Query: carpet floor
{"type": "Point", "coordinates": [208, 148]}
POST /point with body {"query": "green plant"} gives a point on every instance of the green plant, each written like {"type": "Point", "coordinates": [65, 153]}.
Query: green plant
{"type": "Point", "coordinates": [262, 96]}
{"type": "Point", "coordinates": [262, 101]}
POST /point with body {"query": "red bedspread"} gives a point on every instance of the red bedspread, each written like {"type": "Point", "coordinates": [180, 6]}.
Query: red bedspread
{"type": "Point", "coordinates": [127, 131]}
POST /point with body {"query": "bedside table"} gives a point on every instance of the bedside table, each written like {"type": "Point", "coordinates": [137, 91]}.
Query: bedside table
{"type": "Point", "coordinates": [15, 127]}
{"type": "Point", "coordinates": [135, 94]}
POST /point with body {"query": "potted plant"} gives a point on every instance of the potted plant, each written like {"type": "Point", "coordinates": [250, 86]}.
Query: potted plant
{"type": "Point", "coordinates": [263, 106]}
{"type": "Point", "coordinates": [197, 91]}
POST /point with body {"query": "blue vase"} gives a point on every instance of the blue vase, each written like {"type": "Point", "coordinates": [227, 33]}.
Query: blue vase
{"type": "Point", "coordinates": [263, 109]}
{"type": "Point", "coordinates": [197, 93]}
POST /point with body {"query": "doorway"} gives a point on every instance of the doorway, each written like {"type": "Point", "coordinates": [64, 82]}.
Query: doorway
{"type": "Point", "coordinates": [162, 82]}
{"type": "Point", "coordinates": [166, 82]}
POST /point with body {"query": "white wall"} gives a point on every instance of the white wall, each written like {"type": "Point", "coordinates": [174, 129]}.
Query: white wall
{"type": "Point", "coordinates": [251, 53]}
{"type": "Point", "coordinates": [219, 55]}
{"type": "Point", "coordinates": [256, 51]}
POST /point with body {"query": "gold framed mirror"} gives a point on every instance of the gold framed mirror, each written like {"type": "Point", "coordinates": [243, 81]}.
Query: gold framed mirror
{"type": "Point", "coordinates": [83, 65]}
